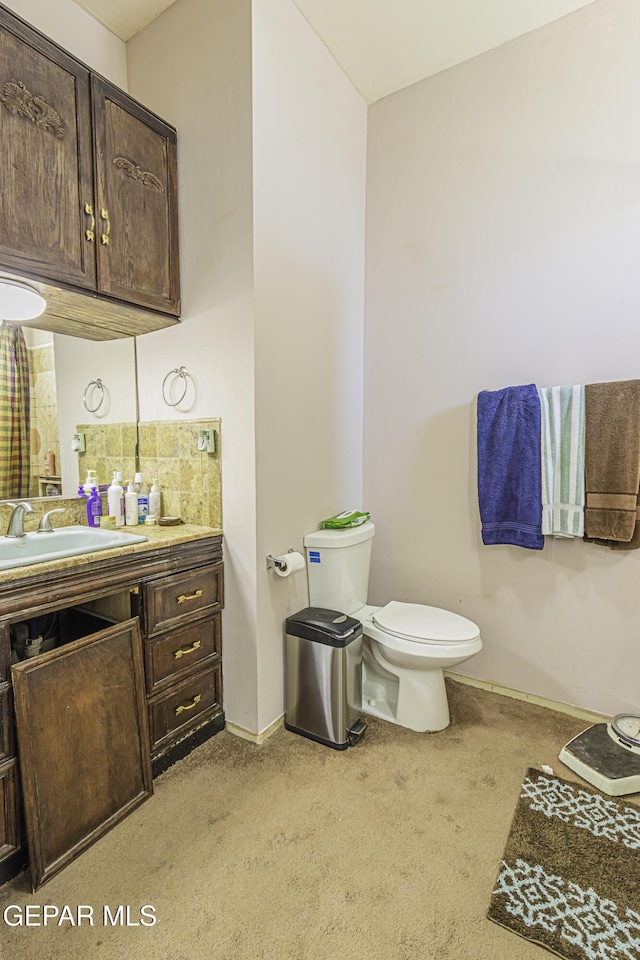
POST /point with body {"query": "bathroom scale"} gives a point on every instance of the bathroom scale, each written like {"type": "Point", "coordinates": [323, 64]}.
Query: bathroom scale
{"type": "Point", "coordinates": [607, 755]}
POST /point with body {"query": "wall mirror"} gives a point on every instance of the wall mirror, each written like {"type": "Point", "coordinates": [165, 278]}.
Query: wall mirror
{"type": "Point", "coordinates": [42, 404]}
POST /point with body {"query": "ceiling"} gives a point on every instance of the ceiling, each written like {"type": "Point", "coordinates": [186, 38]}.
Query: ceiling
{"type": "Point", "coordinates": [384, 45]}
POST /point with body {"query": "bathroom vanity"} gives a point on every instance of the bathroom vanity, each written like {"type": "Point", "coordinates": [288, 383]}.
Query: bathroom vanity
{"type": "Point", "coordinates": [133, 683]}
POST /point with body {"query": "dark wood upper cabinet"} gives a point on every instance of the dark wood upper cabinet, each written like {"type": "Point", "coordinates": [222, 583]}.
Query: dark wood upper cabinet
{"type": "Point", "coordinates": [136, 201]}
{"type": "Point", "coordinates": [88, 191]}
{"type": "Point", "coordinates": [46, 159]}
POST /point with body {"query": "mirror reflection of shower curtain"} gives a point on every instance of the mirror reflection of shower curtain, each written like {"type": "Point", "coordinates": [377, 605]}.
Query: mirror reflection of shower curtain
{"type": "Point", "coordinates": [15, 439]}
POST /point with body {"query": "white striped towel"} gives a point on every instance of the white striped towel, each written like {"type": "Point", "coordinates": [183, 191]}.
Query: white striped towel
{"type": "Point", "coordinates": [562, 443]}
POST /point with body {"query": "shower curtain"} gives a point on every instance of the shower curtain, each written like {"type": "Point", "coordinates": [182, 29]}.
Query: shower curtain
{"type": "Point", "coordinates": [15, 436]}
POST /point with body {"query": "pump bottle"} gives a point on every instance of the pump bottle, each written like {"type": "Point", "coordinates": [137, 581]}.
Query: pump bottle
{"type": "Point", "coordinates": [155, 500]}
{"type": "Point", "coordinates": [115, 501]}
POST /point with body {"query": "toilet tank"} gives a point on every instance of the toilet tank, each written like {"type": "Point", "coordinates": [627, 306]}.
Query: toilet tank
{"type": "Point", "coordinates": [338, 567]}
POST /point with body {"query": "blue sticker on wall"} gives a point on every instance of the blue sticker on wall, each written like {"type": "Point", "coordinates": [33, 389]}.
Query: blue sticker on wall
{"type": "Point", "coordinates": [314, 556]}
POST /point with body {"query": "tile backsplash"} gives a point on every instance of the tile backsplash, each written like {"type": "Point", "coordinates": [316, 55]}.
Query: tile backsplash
{"type": "Point", "coordinates": [190, 481]}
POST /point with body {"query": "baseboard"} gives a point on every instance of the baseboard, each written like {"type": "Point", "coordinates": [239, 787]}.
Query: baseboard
{"type": "Point", "coordinates": [238, 731]}
{"type": "Point", "coordinates": [589, 715]}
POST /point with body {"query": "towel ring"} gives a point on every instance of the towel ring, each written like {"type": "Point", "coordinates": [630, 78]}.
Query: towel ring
{"type": "Point", "coordinates": [178, 372]}
{"type": "Point", "coordinates": [91, 387]}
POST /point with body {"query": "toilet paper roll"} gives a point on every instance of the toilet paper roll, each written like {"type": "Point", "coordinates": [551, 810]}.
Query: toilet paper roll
{"type": "Point", "coordinates": [289, 563]}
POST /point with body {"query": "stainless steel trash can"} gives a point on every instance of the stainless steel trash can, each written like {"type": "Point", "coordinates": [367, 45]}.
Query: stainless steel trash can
{"type": "Point", "coordinates": [323, 677]}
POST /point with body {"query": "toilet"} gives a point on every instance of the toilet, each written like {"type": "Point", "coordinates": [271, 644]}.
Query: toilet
{"type": "Point", "coordinates": [407, 646]}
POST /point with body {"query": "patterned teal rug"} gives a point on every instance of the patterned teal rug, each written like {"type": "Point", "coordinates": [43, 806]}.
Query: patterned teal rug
{"type": "Point", "coordinates": [569, 879]}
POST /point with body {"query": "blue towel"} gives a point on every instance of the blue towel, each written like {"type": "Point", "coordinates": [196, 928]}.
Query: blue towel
{"type": "Point", "coordinates": [509, 467]}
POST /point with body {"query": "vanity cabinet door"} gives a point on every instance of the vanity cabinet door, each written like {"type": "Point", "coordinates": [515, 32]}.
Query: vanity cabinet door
{"type": "Point", "coordinates": [9, 811]}
{"type": "Point", "coordinates": [46, 165]}
{"type": "Point", "coordinates": [83, 739]}
{"type": "Point", "coordinates": [136, 202]}
{"type": "Point", "coordinates": [6, 721]}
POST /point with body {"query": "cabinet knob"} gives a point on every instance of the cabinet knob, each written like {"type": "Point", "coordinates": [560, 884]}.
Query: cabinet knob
{"type": "Point", "coordinates": [90, 232]}
{"type": "Point", "coordinates": [104, 213]}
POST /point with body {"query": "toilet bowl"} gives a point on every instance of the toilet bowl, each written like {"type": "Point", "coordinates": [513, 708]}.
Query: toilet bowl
{"type": "Point", "coordinates": [407, 646]}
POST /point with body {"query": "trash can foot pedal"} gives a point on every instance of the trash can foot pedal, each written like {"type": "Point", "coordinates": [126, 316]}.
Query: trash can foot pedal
{"type": "Point", "coordinates": [356, 733]}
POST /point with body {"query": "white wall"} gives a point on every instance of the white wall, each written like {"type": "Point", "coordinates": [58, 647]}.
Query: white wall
{"type": "Point", "coordinates": [74, 29]}
{"type": "Point", "coordinates": [503, 228]}
{"type": "Point", "coordinates": [309, 157]}
{"type": "Point", "coordinates": [192, 66]}
{"type": "Point", "coordinates": [242, 344]}
{"type": "Point", "coordinates": [78, 362]}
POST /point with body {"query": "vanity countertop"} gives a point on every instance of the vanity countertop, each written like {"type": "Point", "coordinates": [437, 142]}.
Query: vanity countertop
{"type": "Point", "coordinates": [158, 538]}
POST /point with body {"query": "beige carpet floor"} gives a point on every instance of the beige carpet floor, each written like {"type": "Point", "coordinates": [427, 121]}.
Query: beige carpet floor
{"type": "Point", "coordinates": [290, 850]}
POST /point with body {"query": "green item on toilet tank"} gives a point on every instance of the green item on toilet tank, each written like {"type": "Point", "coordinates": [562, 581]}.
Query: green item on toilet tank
{"type": "Point", "coordinates": [350, 518]}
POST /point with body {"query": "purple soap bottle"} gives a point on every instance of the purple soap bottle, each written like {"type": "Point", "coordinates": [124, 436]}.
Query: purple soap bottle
{"type": "Point", "coordinates": [94, 508]}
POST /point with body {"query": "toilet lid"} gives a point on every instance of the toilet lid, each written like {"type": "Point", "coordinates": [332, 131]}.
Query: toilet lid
{"type": "Point", "coordinates": [418, 622]}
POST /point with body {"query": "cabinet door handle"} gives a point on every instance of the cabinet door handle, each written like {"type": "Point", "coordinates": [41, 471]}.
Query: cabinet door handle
{"type": "Point", "coordinates": [182, 653]}
{"type": "Point", "coordinates": [90, 232]}
{"type": "Point", "coordinates": [104, 213]}
{"type": "Point", "coordinates": [189, 706]}
{"type": "Point", "coordinates": [189, 596]}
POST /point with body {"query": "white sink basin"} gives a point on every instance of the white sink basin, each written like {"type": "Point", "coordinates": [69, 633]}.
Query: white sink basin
{"type": "Point", "coordinates": [63, 542]}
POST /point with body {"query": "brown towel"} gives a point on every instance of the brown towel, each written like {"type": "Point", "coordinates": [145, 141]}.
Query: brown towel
{"type": "Point", "coordinates": [612, 463]}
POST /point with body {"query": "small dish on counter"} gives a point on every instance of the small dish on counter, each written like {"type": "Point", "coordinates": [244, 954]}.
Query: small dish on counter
{"type": "Point", "coordinates": [169, 521]}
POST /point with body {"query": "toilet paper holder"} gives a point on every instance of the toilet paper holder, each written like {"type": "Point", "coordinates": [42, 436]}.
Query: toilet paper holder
{"type": "Point", "coordinates": [273, 562]}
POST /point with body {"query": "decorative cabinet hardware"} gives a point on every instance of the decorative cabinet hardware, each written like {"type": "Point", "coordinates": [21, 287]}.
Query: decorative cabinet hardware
{"type": "Point", "coordinates": [104, 213]}
{"type": "Point", "coordinates": [182, 653]}
{"type": "Point", "coordinates": [145, 177]}
{"type": "Point", "coordinates": [57, 118]}
{"type": "Point", "coordinates": [190, 596]}
{"type": "Point", "coordinates": [90, 233]}
{"type": "Point", "coordinates": [189, 706]}
{"type": "Point", "coordinates": [17, 99]}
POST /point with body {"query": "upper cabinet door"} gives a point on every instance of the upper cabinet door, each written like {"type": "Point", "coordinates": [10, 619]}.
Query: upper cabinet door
{"type": "Point", "coordinates": [136, 199]}
{"type": "Point", "coordinates": [46, 164]}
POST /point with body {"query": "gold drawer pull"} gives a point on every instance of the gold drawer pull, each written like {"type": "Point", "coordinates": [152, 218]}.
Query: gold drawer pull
{"type": "Point", "coordinates": [189, 706]}
{"type": "Point", "coordinates": [182, 653]}
{"type": "Point", "coordinates": [104, 213]}
{"type": "Point", "coordinates": [189, 596]}
{"type": "Point", "coordinates": [90, 232]}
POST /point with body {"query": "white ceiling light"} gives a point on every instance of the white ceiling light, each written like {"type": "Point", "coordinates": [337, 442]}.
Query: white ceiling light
{"type": "Point", "coordinates": [19, 301]}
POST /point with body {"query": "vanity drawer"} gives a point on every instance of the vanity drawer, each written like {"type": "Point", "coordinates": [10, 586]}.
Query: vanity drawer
{"type": "Point", "coordinates": [172, 656]}
{"type": "Point", "coordinates": [172, 601]}
{"type": "Point", "coordinates": [9, 816]}
{"type": "Point", "coordinates": [183, 706]}
{"type": "Point", "coordinates": [6, 721]}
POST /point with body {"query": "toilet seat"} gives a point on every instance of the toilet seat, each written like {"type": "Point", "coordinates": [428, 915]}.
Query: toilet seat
{"type": "Point", "coordinates": [419, 623]}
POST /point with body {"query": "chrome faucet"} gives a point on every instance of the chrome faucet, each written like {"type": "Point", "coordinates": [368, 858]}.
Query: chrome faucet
{"type": "Point", "coordinates": [16, 522]}
{"type": "Point", "coordinates": [45, 523]}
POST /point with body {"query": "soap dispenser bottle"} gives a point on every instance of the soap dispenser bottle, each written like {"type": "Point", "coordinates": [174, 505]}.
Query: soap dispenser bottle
{"type": "Point", "coordinates": [90, 483]}
{"type": "Point", "coordinates": [94, 508]}
{"type": "Point", "coordinates": [155, 500]}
